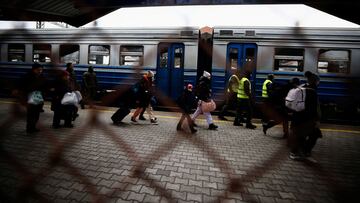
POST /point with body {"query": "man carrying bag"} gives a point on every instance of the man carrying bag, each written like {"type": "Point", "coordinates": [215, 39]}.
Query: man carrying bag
{"type": "Point", "coordinates": [32, 87]}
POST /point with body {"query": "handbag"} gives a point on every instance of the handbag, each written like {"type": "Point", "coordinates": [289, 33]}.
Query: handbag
{"type": "Point", "coordinates": [208, 106]}
{"type": "Point", "coordinates": [70, 98]}
{"type": "Point", "coordinates": [35, 98]}
{"type": "Point", "coordinates": [78, 95]}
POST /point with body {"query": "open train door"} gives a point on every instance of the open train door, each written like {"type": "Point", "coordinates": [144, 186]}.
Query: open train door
{"type": "Point", "coordinates": [240, 56]}
{"type": "Point", "coordinates": [170, 69]}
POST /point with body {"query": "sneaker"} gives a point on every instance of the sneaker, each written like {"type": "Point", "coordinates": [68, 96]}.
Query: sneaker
{"type": "Point", "coordinates": [250, 126]}
{"type": "Point", "coordinates": [294, 156]}
{"type": "Point", "coordinates": [213, 126]}
{"type": "Point", "coordinates": [153, 120]}
{"type": "Point", "coordinates": [142, 118]}
{"type": "Point", "coordinates": [222, 118]}
{"type": "Point", "coordinates": [133, 120]}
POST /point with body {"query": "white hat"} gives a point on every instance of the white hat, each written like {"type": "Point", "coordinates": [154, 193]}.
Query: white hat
{"type": "Point", "coordinates": [150, 74]}
{"type": "Point", "coordinates": [206, 74]}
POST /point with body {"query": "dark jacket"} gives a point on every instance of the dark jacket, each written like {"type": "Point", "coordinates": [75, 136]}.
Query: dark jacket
{"type": "Point", "coordinates": [142, 92]}
{"type": "Point", "coordinates": [203, 90]}
{"type": "Point", "coordinates": [29, 83]}
{"type": "Point", "coordinates": [61, 86]}
{"type": "Point", "coordinates": [187, 101]}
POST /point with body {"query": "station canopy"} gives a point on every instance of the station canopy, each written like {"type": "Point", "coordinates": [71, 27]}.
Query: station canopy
{"type": "Point", "coordinates": [80, 12]}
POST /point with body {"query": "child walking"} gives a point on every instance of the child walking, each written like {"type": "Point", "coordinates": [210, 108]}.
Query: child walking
{"type": "Point", "coordinates": [186, 102]}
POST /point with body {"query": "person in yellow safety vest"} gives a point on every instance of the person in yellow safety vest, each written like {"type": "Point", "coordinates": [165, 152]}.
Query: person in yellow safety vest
{"type": "Point", "coordinates": [266, 91]}
{"type": "Point", "coordinates": [230, 94]}
{"type": "Point", "coordinates": [244, 100]}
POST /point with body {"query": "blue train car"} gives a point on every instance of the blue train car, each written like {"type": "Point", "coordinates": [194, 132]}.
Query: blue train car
{"type": "Point", "coordinates": [119, 56]}
{"type": "Point", "coordinates": [332, 53]}
{"type": "Point", "coordinates": [179, 56]}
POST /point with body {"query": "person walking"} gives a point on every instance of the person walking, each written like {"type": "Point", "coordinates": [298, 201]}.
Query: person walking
{"type": "Point", "coordinates": [204, 96]}
{"type": "Point", "coordinates": [62, 86]}
{"type": "Point", "coordinates": [89, 84]}
{"type": "Point", "coordinates": [303, 125]}
{"type": "Point", "coordinates": [230, 94]}
{"type": "Point", "coordinates": [143, 96]}
{"type": "Point", "coordinates": [313, 81]}
{"type": "Point", "coordinates": [267, 88]}
{"type": "Point", "coordinates": [186, 102]}
{"type": "Point", "coordinates": [244, 101]}
{"type": "Point", "coordinates": [279, 112]}
{"type": "Point", "coordinates": [32, 88]}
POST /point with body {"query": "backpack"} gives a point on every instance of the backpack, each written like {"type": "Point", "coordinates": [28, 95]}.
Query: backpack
{"type": "Point", "coordinates": [295, 99]}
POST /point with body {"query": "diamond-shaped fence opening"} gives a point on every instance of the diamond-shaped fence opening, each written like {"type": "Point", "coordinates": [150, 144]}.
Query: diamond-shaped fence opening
{"type": "Point", "coordinates": [79, 165]}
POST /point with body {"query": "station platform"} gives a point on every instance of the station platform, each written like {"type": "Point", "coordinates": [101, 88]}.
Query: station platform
{"type": "Point", "coordinates": [97, 161]}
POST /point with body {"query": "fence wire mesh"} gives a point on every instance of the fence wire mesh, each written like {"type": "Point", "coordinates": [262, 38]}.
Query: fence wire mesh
{"type": "Point", "coordinates": [31, 166]}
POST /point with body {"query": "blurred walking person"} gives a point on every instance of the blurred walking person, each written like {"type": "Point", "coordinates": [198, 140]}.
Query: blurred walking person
{"type": "Point", "coordinates": [89, 85]}
{"type": "Point", "coordinates": [230, 94]}
{"type": "Point", "coordinates": [32, 88]}
{"type": "Point", "coordinates": [203, 92]}
{"type": "Point", "coordinates": [186, 102]}
{"type": "Point", "coordinates": [244, 102]}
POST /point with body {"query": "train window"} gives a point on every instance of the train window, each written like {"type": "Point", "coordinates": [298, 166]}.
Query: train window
{"type": "Point", "coordinates": [69, 53]}
{"type": "Point", "coordinates": [164, 53]}
{"type": "Point", "coordinates": [334, 61]}
{"type": "Point", "coordinates": [288, 59]}
{"type": "Point", "coordinates": [132, 55]}
{"type": "Point", "coordinates": [233, 57]}
{"type": "Point", "coordinates": [16, 52]}
{"type": "Point", "coordinates": [99, 54]}
{"type": "Point", "coordinates": [178, 57]}
{"type": "Point", "coordinates": [42, 53]}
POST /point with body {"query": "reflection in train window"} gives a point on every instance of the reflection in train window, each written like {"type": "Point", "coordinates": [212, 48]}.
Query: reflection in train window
{"type": "Point", "coordinates": [16, 52]}
{"type": "Point", "coordinates": [334, 61]}
{"type": "Point", "coordinates": [178, 57]}
{"type": "Point", "coordinates": [249, 59]}
{"type": "Point", "coordinates": [289, 59]}
{"type": "Point", "coordinates": [233, 57]}
{"type": "Point", "coordinates": [69, 53]}
{"type": "Point", "coordinates": [42, 53]}
{"type": "Point", "coordinates": [164, 54]}
{"type": "Point", "coordinates": [132, 55]}
{"type": "Point", "coordinates": [99, 54]}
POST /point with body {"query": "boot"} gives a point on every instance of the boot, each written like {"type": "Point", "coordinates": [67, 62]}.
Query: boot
{"type": "Point", "coordinates": [178, 127]}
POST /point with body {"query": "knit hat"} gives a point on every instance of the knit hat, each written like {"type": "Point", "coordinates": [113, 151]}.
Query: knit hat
{"type": "Point", "coordinates": [206, 74]}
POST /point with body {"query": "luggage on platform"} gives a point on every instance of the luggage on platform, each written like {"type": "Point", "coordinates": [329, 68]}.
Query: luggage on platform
{"type": "Point", "coordinates": [120, 114]}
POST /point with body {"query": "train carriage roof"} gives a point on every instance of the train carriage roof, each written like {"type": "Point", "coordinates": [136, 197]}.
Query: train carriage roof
{"type": "Point", "coordinates": [221, 15]}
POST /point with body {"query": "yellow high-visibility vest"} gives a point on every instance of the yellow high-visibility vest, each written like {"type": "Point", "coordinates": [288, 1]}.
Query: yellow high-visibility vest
{"type": "Point", "coordinates": [232, 87]}
{"type": "Point", "coordinates": [264, 88]}
{"type": "Point", "coordinates": [241, 91]}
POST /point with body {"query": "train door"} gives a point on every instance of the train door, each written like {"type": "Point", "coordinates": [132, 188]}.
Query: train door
{"type": "Point", "coordinates": [170, 69]}
{"type": "Point", "coordinates": [240, 56]}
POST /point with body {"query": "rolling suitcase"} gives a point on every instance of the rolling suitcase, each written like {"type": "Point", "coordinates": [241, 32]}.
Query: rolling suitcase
{"type": "Point", "coordinates": [119, 115]}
